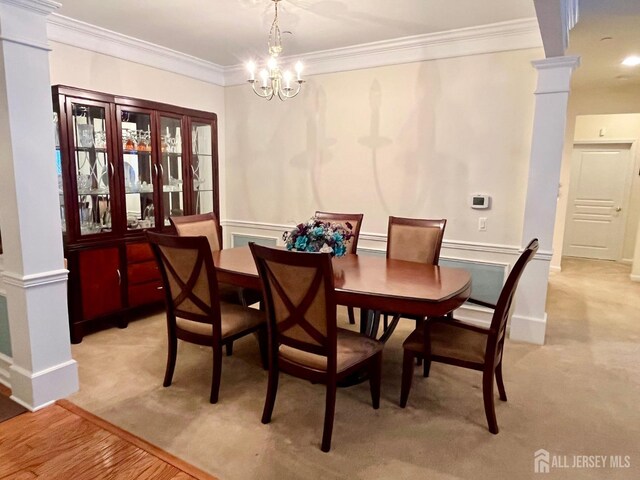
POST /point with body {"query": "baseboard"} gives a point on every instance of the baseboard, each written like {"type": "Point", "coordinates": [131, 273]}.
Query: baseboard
{"type": "Point", "coordinates": [627, 261]}
{"type": "Point", "coordinates": [555, 268]}
{"type": "Point", "coordinates": [474, 315]}
{"type": "Point", "coordinates": [528, 329]}
{"type": "Point", "coordinates": [634, 278]}
{"type": "Point", "coordinates": [40, 389]}
{"type": "Point", "coordinates": [5, 374]}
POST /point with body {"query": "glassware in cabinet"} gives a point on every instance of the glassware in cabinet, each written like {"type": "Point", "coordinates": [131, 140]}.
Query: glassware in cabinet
{"type": "Point", "coordinates": [171, 166]}
{"type": "Point", "coordinates": [138, 169]}
{"type": "Point", "coordinates": [93, 169]}
{"type": "Point", "coordinates": [202, 167]}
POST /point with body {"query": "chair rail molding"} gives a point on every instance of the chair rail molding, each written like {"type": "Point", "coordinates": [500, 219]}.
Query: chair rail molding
{"type": "Point", "coordinates": [497, 37]}
{"type": "Point", "coordinates": [278, 228]}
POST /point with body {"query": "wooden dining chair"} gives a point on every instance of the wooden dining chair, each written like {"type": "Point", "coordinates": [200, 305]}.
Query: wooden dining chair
{"type": "Point", "coordinates": [355, 220]}
{"type": "Point", "coordinates": [194, 312]}
{"type": "Point", "coordinates": [412, 240]}
{"type": "Point", "coordinates": [207, 225]}
{"type": "Point", "coordinates": [451, 341]}
{"type": "Point", "coordinates": [304, 339]}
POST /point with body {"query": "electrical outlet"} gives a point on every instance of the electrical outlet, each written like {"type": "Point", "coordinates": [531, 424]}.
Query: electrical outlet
{"type": "Point", "coordinates": [482, 224]}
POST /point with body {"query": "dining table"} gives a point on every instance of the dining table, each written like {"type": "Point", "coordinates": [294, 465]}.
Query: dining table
{"type": "Point", "coordinates": [372, 283]}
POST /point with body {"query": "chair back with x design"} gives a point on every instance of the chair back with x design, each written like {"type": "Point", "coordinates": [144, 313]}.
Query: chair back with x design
{"type": "Point", "coordinates": [189, 277]}
{"type": "Point", "coordinates": [300, 300]}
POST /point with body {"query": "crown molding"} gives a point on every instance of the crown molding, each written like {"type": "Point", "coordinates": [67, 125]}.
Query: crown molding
{"type": "Point", "coordinates": [89, 37]}
{"type": "Point", "coordinates": [42, 7]}
{"type": "Point", "coordinates": [495, 37]}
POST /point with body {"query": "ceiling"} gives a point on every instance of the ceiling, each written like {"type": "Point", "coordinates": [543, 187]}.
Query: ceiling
{"type": "Point", "coordinates": [600, 59]}
{"type": "Point", "coordinates": [229, 32]}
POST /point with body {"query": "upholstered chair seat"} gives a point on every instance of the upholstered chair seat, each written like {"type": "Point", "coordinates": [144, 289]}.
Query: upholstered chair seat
{"type": "Point", "coordinates": [449, 341]}
{"type": "Point", "coordinates": [304, 338]}
{"type": "Point", "coordinates": [352, 349]}
{"type": "Point", "coordinates": [234, 319]}
{"type": "Point", "coordinates": [195, 313]}
{"type": "Point", "coordinates": [207, 225]}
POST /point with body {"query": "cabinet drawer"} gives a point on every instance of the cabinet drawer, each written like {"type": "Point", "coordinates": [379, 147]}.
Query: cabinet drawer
{"type": "Point", "coordinates": [146, 293]}
{"type": "Point", "coordinates": [139, 252]}
{"type": "Point", "coordinates": [143, 272]}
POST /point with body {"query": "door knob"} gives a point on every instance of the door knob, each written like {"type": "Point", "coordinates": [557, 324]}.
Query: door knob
{"type": "Point", "coordinates": [618, 209]}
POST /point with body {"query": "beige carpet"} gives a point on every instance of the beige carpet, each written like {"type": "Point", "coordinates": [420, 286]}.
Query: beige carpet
{"type": "Point", "coordinates": [577, 395]}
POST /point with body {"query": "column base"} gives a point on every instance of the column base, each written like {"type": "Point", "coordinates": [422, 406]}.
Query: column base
{"type": "Point", "coordinates": [38, 390]}
{"type": "Point", "coordinates": [528, 329]}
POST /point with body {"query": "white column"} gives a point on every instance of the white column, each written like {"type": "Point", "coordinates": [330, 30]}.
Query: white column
{"type": "Point", "coordinates": [529, 320]}
{"type": "Point", "coordinates": [34, 276]}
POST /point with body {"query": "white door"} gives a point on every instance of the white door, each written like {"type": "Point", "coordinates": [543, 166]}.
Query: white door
{"type": "Point", "coordinates": [596, 215]}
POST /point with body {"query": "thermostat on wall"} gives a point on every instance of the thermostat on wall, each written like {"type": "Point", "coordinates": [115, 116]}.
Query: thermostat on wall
{"type": "Point", "coordinates": [480, 201]}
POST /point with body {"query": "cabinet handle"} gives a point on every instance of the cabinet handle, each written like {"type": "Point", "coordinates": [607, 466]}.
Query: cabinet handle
{"type": "Point", "coordinates": [110, 169]}
{"type": "Point", "coordinates": [159, 288]}
{"type": "Point", "coordinates": [162, 170]}
{"type": "Point", "coordinates": [119, 276]}
{"type": "Point", "coordinates": [155, 169]}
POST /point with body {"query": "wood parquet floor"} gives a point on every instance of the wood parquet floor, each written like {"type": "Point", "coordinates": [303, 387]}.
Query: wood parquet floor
{"type": "Point", "coordinates": [64, 442]}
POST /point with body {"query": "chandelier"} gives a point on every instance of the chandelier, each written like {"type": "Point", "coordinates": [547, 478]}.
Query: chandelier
{"type": "Point", "coordinates": [273, 81]}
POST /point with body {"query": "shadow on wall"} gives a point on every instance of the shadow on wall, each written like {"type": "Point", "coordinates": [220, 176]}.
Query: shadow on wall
{"type": "Point", "coordinates": [374, 140]}
{"type": "Point", "coordinates": [318, 151]}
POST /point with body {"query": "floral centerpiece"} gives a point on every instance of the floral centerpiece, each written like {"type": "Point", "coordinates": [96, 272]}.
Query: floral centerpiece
{"type": "Point", "coordinates": [319, 236]}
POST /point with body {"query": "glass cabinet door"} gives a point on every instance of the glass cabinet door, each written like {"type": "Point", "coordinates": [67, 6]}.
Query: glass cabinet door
{"type": "Point", "coordinates": [138, 169]}
{"type": "Point", "coordinates": [202, 167]}
{"type": "Point", "coordinates": [94, 171]}
{"type": "Point", "coordinates": [171, 166]}
{"type": "Point", "coordinates": [56, 129]}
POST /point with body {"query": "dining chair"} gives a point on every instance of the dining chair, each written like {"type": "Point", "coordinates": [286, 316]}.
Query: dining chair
{"type": "Point", "coordinates": [207, 225]}
{"type": "Point", "coordinates": [355, 220]}
{"type": "Point", "coordinates": [412, 240]}
{"type": "Point", "coordinates": [450, 341]}
{"type": "Point", "coordinates": [194, 312]}
{"type": "Point", "coordinates": [304, 339]}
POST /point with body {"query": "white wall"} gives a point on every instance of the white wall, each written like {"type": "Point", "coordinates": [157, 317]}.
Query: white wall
{"type": "Point", "coordinates": [80, 68]}
{"type": "Point", "coordinates": [409, 140]}
{"type": "Point", "coordinates": [590, 102]}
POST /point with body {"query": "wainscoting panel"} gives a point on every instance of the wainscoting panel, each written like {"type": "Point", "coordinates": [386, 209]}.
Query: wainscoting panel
{"type": "Point", "coordinates": [486, 278]}
{"type": "Point", "coordinates": [243, 239]}
{"type": "Point", "coordinates": [5, 339]}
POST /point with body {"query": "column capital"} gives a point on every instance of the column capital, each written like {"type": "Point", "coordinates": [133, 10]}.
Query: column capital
{"type": "Point", "coordinates": [43, 7]}
{"type": "Point", "coordinates": [24, 22]}
{"type": "Point", "coordinates": [554, 73]}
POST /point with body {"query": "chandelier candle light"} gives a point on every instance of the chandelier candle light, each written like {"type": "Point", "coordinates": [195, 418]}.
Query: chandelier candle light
{"type": "Point", "coordinates": [272, 80]}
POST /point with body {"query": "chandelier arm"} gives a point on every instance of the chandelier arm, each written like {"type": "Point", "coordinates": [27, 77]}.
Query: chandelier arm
{"type": "Point", "coordinates": [272, 77]}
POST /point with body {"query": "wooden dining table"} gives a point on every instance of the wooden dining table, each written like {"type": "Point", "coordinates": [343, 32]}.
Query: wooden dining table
{"type": "Point", "coordinates": [372, 283]}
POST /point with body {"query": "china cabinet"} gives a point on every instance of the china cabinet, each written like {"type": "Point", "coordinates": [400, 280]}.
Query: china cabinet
{"type": "Point", "coordinates": [125, 166]}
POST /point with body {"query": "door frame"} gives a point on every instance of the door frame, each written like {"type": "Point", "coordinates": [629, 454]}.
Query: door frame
{"type": "Point", "coordinates": [627, 142]}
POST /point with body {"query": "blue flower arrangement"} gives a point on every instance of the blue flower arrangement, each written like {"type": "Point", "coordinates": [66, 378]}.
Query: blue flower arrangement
{"type": "Point", "coordinates": [319, 236]}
